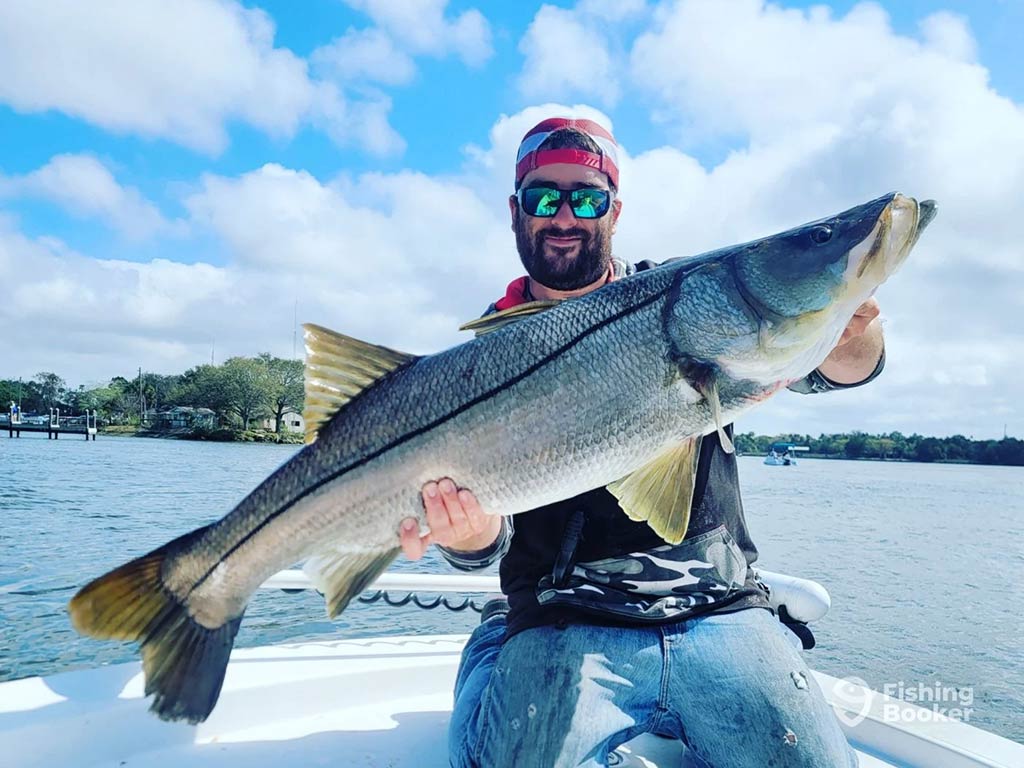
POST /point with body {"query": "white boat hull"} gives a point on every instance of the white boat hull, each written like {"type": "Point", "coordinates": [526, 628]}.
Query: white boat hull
{"type": "Point", "coordinates": [373, 702]}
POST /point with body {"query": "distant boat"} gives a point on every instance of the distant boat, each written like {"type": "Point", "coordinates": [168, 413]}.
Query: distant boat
{"type": "Point", "coordinates": [781, 454]}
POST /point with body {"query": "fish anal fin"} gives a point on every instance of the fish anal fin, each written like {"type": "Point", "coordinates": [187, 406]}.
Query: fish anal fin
{"type": "Point", "coordinates": [496, 320]}
{"type": "Point", "coordinates": [661, 492]}
{"type": "Point", "coordinates": [339, 367]}
{"type": "Point", "coordinates": [344, 573]}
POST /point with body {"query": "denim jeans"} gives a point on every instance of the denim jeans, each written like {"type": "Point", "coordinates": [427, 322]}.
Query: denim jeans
{"type": "Point", "coordinates": [731, 686]}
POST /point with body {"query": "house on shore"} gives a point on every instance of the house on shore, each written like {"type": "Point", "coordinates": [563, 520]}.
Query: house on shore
{"type": "Point", "coordinates": [182, 417]}
{"type": "Point", "coordinates": [290, 422]}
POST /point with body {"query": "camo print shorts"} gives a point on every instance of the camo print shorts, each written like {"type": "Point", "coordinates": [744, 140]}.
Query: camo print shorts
{"type": "Point", "coordinates": [656, 584]}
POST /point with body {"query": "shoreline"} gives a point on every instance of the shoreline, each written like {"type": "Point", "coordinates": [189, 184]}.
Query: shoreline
{"type": "Point", "coordinates": [208, 436]}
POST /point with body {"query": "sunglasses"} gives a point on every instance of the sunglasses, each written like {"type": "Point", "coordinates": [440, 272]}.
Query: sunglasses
{"type": "Point", "coordinates": [544, 202]}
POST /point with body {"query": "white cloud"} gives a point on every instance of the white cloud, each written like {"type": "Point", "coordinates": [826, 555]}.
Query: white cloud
{"type": "Point", "coordinates": [384, 54]}
{"type": "Point", "coordinates": [364, 121]}
{"type": "Point", "coordinates": [422, 27]}
{"type": "Point", "coordinates": [102, 318]}
{"type": "Point", "coordinates": [950, 35]}
{"type": "Point", "coordinates": [178, 71]}
{"type": "Point", "coordinates": [882, 111]}
{"type": "Point", "coordinates": [611, 10]}
{"type": "Point", "coordinates": [365, 54]}
{"type": "Point", "coordinates": [85, 187]}
{"type": "Point", "coordinates": [568, 54]}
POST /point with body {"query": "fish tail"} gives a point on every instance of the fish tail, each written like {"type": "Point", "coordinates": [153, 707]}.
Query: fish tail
{"type": "Point", "coordinates": [184, 661]}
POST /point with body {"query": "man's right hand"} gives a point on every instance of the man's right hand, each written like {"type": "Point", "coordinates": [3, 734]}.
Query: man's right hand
{"type": "Point", "coordinates": [455, 521]}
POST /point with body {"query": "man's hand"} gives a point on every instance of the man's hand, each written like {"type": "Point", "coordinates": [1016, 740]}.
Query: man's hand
{"type": "Point", "coordinates": [862, 318]}
{"type": "Point", "coordinates": [455, 521]}
{"type": "Point", "coordinates": [859, 348]}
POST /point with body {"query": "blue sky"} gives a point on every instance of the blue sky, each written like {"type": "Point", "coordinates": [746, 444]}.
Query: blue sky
{"type": "Point", "coordinates": [252, 147]}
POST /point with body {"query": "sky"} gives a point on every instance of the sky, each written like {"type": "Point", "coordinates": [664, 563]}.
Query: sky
{"type": "Point", "coordinates": [180, 181]}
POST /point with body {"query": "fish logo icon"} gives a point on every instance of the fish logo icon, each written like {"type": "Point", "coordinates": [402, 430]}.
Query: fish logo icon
{"type": "Point", "coordinates": [851, 700]}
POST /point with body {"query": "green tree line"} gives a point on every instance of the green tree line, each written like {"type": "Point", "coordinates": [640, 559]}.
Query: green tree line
{"type": "Point", "coordinates": [894, 445]}
{"type": "Point", "coordinates": [240, 391]}
{"type": "Point", "coordinates": [243, 390]}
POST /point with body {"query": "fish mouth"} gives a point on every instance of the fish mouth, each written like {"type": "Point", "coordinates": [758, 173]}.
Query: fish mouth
{"type": "Point", "coordinates": [896, 232]}
{"type": "Point", "coordinates": [926, 212]}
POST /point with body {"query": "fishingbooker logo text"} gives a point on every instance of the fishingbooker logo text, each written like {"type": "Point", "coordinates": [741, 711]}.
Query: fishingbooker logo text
{"type": "Point", "coordinates": [901, 702]}
{"type": "Point", "coordinates": [933, 700]}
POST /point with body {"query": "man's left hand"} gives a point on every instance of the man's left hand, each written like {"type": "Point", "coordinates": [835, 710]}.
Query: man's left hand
{"type": "Point", "coordinates": [859, 348]}
{"type": "Point", "coordinates": [860, 321]}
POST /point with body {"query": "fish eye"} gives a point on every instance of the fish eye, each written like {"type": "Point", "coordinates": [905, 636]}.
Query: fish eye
{"type": "Point", "coordinates": [821, 234]}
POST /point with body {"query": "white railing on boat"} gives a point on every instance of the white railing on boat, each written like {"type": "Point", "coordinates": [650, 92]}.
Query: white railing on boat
{"type": "Point", "coordinates": [397, 582]}
{"type": "Point", "coordinates": [805, 600]}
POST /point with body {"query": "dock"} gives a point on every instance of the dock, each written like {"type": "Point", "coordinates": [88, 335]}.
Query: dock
{"type": "Point", "coordinates": [54, 426]}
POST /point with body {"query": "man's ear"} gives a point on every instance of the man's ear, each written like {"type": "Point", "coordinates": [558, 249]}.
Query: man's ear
{"type": "Point", "coordinates": [513, 209]}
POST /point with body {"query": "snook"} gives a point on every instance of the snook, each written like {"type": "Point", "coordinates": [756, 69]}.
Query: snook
{"type": "Point", "coordinates": [614, 388]}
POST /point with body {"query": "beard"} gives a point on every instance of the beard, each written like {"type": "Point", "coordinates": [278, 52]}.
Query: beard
{"type": "Point", "coordinates": [555, 267]}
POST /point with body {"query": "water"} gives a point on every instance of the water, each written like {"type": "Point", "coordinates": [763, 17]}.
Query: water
{"type": "Point", "coordinates": [923, 562]}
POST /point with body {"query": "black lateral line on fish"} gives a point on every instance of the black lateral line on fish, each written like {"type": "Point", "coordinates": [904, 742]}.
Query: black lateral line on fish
{"type": "Point", "coordinates": [426, 428]}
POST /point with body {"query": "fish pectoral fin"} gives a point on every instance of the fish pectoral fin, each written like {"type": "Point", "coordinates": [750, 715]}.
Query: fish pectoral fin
{"type": "Point", "coordinates": [661, 492]}
{"type": "Point", "coordinates": [343, 573]}
{"type": "Point", "coordinates": [184, 661]}
{"type": "Point", "coordinates": [496, 320]}
{"type": "Point", "coordinates": [339, 367]}
{"type": "Point", "coordinates": [710, 393]}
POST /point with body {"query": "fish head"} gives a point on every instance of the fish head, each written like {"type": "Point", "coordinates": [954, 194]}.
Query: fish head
{"type": "Point", "coordinates": [780, 304]}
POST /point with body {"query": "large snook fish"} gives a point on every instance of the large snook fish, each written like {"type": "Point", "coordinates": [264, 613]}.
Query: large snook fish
{"type": "Point", "coordinates": [614, 388]}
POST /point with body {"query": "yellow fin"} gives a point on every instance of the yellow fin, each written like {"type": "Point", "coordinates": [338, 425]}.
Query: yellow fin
{"type": "Point", "coordinates": [338, 368]}
{"type": "Point", "coordinates": [344, 572]}
{"type": "Point", "coordinates": [496, 320]}
{"type": "Point", "coordinates": [661, 492]}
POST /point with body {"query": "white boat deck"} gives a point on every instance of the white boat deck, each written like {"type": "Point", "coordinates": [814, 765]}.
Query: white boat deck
{"type": "Point", "coordinates": [373, 703]}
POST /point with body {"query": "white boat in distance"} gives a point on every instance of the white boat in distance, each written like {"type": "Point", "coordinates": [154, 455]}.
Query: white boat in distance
{"type": "Point", "coordinates": [384, 702]}
{"type": "Point", "coordinates": [781, 454]}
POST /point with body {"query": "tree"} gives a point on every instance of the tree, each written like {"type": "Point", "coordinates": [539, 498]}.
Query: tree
{"type": "Point", "coordinates": [856, 445]}
{"type": "Point", "coordinates": [10, 392]}
{"type": "Point", "coordinates": [285, 387]}
{"type": "Point", "coordinates": [52, 389]}
{"type": "Point", "coordinates": [246, 388]}
{"type": "Point", "coordinates": [201, 387]}
{"type": "Point", "coordinates": [930, 449]}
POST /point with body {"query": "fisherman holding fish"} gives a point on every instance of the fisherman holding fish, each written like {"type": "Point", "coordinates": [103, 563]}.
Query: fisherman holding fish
{"type": "Point", "coordinates": [602, 418]}
{"type": "Point", "coordinates": [610, 632]}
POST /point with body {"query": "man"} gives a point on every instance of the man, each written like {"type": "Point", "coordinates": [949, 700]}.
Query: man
{"type": "Point", "coordinates": [593, 649]}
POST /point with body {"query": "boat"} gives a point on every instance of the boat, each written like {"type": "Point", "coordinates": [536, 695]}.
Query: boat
{"type": "Point", "coordinates": [781, 454]}
{"type": "Point", "coordinates": [385, 701]}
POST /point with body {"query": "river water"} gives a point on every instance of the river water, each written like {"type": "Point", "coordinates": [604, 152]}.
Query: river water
{"type": "Point", "coordinates": [923, 562]}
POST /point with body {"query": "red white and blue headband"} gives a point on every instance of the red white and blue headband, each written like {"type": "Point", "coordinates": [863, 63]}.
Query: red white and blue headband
{"type": "Point", "coordinates": [530, 157]}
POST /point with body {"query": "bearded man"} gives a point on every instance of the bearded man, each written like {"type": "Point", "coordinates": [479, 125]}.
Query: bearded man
{"type": "Point", "coordinates": [592, 648]}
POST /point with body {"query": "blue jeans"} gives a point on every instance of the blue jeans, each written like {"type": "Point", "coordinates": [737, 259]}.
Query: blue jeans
{"type": "Point", "coordinates": [731, 686]}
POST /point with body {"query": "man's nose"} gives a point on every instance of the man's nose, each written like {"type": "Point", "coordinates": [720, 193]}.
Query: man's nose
{"type": "Point", "coordinates": [564, 215]}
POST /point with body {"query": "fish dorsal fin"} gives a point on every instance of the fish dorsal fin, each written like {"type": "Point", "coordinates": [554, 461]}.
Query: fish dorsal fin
{"type": "Point", "coordinates": [661, 492]}
{"type": "Point", "coordinates": [338, 368]}
{"type": "Point", "coordinates": [710, 393]}
{"type": "Point", "coordinates": [496, 320]}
